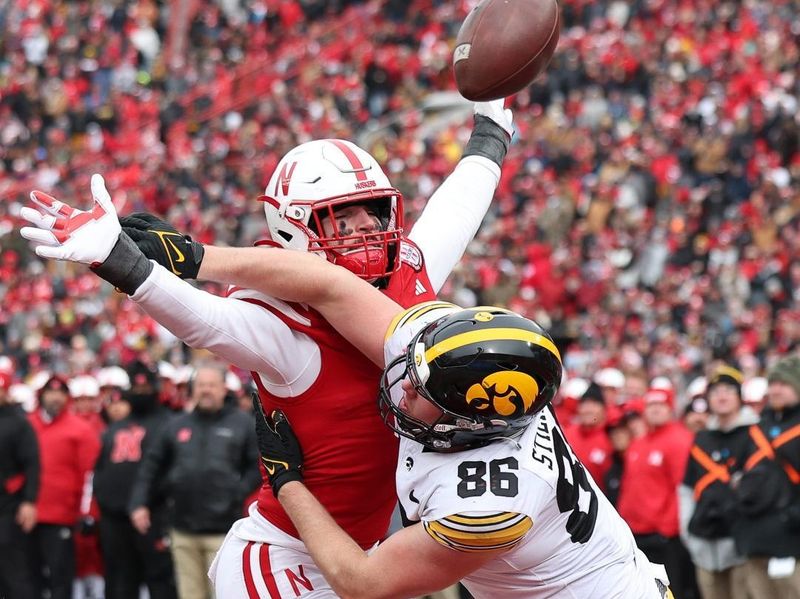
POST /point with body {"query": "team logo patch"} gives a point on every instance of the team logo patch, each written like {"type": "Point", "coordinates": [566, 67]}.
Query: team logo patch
{"type": "Point", "coordinates": [509, 393]}
{"type": "Point", "coordinates": [409, 463]}
{"type": "Point", "coordinates": [483, 317]}
{"type": "Point", "coordinates": [411, 255]}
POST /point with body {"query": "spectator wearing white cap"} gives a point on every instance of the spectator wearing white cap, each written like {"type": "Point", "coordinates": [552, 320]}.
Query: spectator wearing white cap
{"type": "Point", "coordinates": [113, 381]}
{"type": "Point", "coordinates": [654, 467]}
{"type": "Point", "coordinates": [85, 392]}
{"type": "Point", "coordinates": [611, 381]}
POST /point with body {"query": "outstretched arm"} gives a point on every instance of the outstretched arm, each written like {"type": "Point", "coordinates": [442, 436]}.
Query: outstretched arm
{"type": "Point", "coordinates": [358, 311]}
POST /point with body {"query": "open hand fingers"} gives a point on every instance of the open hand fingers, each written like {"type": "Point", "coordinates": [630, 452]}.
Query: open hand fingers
{"type": "Point", "coordinates": [51, 205]}
{"type": "Point", "coordinates": [39, 236]}
{"type": "Point", "coordinates": [37, 219]}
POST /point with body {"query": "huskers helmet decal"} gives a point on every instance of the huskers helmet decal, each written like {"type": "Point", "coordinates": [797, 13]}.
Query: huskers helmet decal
{"type": "Point", "coordinates": [509, 393]}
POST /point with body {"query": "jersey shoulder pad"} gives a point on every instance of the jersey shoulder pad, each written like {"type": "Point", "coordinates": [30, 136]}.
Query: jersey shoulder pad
{"type": "Point", "coordinates": [473, 531]}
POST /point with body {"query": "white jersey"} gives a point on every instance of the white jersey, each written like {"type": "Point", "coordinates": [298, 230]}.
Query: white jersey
{"type": "Point", "coordinates": [532, 495]}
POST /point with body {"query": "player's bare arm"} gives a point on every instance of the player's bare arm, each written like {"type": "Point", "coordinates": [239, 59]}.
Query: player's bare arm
{"type": "Point", "coordinates": [301, 277]}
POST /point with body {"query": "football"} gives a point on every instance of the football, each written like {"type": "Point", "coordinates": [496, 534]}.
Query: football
{"type": "Point", "coordinates": [503, 45]}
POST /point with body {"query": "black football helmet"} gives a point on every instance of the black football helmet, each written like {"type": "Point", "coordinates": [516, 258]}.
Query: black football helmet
{"type": "Point", "coordinates": [488, 369]}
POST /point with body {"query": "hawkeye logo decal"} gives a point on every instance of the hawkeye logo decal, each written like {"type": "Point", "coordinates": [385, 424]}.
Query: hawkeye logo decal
{"type": "Point", "coordinates": [509, 393]}
{"type": "Point", "coordinates": [174, 255]}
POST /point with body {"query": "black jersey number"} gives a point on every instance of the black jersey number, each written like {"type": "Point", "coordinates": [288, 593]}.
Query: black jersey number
{"type": "Point", "coordinates": [502, 482]}
{"type": "Point", "coordinates": [574, 494]}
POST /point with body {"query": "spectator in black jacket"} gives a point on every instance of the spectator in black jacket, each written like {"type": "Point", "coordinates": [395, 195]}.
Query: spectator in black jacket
{"type": "Point", "coordinates": [707, 499]}
{"type": "Point", "coordinates": [209, 459]}
{"type": "Point", "coordinates": [19, 486]}
{"type": "Point", "coordinates": [131, 558]}
{"type": "Point", "coordinates": [769, 492]}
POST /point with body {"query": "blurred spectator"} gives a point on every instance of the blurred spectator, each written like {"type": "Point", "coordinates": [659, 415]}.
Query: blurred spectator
{"type": "Point", "coordinates": [85, 393]}
{"type": "Point", "coordinates": [19, 487]}
{"type": "Point", "coordinates": [68, 448]}
{"type": "Point", "coordinates": [648, 501]}
{"type": "Point", "coordinates": [754, 393]}
{"type": "Point", "coordinates": [695, 416]}
{"type": "Point", "coordinates": [587, 435]}
{"type": "Point", "coordinates": [708, 508]}
{"type": "Point", "coordinates": [113, 382]}
{"type": "Point", "coordinates": [769, 492]}
{"type": "Point", "coordinates": [566, 402]}
{"type": "Point", "coordinates": [133, 559]}
{"type": "Point", "coordinates": [209, 459]}
{"type": "Point", "coordinates": [620, 436]}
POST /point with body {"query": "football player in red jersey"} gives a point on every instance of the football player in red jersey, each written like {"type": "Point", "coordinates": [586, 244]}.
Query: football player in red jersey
{"type": "Point", "coordinates": [331, 198]}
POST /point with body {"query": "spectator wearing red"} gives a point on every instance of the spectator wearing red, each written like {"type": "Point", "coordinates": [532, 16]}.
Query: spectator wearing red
{"type": "Point", "coordinates": [654, 468]}
{"type": "Point", "coordinates": [68, 448]}
{"type": "Point", "coordinates": [588, 436]}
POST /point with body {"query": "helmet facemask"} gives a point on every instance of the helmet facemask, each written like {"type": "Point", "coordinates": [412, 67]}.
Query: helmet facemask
{"type": "Point", "coordinates": [369, 255]}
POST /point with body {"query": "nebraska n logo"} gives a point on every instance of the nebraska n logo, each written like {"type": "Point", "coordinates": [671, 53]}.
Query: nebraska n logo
{"type": "Point", "coordinates": [174, 255]}
{"type": "Point", "coordinates": [284, 178]}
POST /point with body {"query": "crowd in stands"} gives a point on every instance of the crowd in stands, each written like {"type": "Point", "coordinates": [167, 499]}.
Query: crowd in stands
{"type": "Point", "coordinates": [648, 214]}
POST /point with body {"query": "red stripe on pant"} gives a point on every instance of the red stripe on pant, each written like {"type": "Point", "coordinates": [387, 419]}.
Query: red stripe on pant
{"type": "Point", "coordinates": [266, 572]}
{"type": "Point", "coordinates": [252, 592]}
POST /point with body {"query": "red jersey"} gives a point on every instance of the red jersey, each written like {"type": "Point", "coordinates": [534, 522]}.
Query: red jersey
{"type": "Point", "coordinates": [654, 468]}
{"type": "Point", "coordinates": [593, 448]}
{"type": "Point", "coordinates": [349, 455]}
{"type": "Point", "coordinates": [68, 448]}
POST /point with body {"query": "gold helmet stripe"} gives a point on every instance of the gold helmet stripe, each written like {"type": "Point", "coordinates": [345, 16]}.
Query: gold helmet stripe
{"type": "Point", "coordinates": [414, 312]}
{"type": "Point", "coordinates": [498, 334]}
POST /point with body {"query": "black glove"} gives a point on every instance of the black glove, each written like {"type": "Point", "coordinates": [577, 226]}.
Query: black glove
{"type": "Point", "coordinates": [161, 242]}
{"type": "Point", "coordinates": [280, 451]}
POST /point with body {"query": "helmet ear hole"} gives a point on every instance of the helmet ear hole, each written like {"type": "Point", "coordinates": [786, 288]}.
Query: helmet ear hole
{"type": "Point", "coordinates": [286, 236]}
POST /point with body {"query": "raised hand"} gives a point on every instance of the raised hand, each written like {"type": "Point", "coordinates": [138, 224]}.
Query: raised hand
{"type": "Point", "coordinates": [62, 232]}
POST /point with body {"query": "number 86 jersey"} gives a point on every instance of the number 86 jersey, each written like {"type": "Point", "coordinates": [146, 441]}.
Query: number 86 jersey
{"type": "Point", "coordinates": [564, 538]}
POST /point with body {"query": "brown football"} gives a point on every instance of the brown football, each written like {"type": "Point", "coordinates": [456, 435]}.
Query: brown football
{"type": "Point", "coordinates": [503, 45]}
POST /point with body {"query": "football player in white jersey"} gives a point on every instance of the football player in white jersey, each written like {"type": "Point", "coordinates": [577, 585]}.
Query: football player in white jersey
{"type": "Point", "coordinates": [499, 498]}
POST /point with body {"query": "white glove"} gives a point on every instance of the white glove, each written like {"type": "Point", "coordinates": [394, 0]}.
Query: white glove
{"type": "Point", "coordinates": [495, 111]}
{"type": "Point", "coordinates": [62, 232]}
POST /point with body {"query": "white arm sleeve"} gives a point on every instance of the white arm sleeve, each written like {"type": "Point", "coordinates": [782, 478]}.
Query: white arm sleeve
{"type": "Point", "coordinates": [453, 214]}
{"type": "Point", "coordinates": [246, 335]}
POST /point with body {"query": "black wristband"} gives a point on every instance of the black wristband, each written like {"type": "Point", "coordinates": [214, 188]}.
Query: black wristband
{"type": "Point", "coordinates": [488, 139]}
{"type": "Point", "coordinates": [126, 267]}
